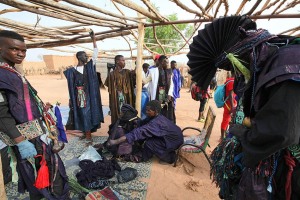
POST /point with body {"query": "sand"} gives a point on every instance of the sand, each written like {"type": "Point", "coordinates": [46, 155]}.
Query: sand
{"type": "Point", "coordinates": [166, 181]}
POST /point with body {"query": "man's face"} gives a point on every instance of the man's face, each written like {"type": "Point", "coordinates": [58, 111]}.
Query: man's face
{"type": "Point", "coordinates": [83, 58]}
{"type": "Point", "coordinates": [164, 63]}
{"type": "Point", "coordinates": [121, 62]}
{"type": "Point", "coordinates": [173, 65]}
{"type": "Point", "coordinates": [12, 51]}
{"type": "Point", "coordinates": [145, 69]}
{"type": "Point", "coordinates": [149, 112]}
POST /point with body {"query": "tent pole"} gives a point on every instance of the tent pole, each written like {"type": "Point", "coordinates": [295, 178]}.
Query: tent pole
{"type": "Point", "coordinates": [138, 70]}
{"type": "Point", "coordinates": [2, 188]}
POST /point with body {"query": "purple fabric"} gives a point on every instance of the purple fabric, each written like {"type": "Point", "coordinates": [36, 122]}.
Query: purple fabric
{"type": "Point", "coordinates": [177, 83]}
{"type": "Point", "coordinates": [27, 179]}
{"type": "Point", "coordinates": [62, 134]}
{"type": "Point", "coordinates": [13, 86]}
{"type": "Point", "coordinates": [161, 128]}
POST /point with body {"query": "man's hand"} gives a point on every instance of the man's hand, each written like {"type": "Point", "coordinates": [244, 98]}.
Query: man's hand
{"type": "Point", "coordinates": [92, 34]}
{"type": "Point", "coordinates": [111, 142]}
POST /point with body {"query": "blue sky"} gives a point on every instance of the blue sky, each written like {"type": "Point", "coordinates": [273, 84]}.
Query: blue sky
{"type": "Point", "coordinates": [165, 7]}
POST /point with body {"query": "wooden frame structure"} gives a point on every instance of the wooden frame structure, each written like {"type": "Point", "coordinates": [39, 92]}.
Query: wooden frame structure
{"type": "Point", "coordinates": [83, 15]}
{"type": "Point", "coordinates": [120, 25]}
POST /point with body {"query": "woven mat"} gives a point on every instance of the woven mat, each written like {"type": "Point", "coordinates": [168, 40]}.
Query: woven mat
{"type": "Point", "coordinates": [136, 189]}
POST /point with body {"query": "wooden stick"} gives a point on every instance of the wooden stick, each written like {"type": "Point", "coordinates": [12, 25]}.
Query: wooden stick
{"type": "Point", "coordinates": [204, 12]}
{"type": "Point", "coordinates": [93, 7]}
{"type": "Point", "coordinates": [184, 7]}
{"type": "Point", "coordinates": [36, 10]}
{"type": "Point", "coordinates": [2, 187]}
{"type": "Point", "coordinates": [71, 10]}
{"type": "Point", "coordinates": [139, 69]}
{"type": "Point", "coordinates": [136, 7]}
{"type": "Point", "coordinates": [254, 7]}
{"type": "Point", "coordinates": [243, 3]}
{"type": "Point", "coordinates": [9, 11]}
{"type": "Point", "coordinates": [72, 41]}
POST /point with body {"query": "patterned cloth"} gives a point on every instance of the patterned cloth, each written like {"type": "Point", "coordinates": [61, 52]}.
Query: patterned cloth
{"type": "Point", "coordinates": [135, 189]}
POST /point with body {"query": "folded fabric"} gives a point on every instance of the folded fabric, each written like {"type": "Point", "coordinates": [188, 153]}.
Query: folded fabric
{"type": "Point", "coordinates": [106, 193]}
{"type": "Point", "coordinates": [128, 174]}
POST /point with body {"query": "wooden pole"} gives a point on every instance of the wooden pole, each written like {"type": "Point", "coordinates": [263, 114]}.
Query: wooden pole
{"type": "Point", "coordinates": [138, 70]}
{"type": "Point", "coordinates": [2, 188]}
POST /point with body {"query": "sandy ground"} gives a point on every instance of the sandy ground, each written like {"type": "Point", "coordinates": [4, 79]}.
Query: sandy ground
{"type": "Point", "coordinates": [166, 181]}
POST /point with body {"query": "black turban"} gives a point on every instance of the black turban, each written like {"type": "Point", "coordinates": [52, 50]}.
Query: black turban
{"type": "Point", "coordinates": [128, 112]}
{"type": "Point", "coordinates": [154, 105]}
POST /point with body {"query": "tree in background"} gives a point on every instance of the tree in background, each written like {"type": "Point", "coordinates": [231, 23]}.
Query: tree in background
{"type": "Point", "coordinates": [167, 36]}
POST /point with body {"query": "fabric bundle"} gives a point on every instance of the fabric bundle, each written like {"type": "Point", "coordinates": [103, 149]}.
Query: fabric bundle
{"type": "Point", "coordinates": [92, 172]}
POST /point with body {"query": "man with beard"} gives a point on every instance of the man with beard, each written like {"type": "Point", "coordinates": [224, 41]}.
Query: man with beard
{"type": "Point", "coordinates": [20, 111]}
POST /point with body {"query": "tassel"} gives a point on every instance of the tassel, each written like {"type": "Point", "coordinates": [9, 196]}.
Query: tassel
{"type": "Point", "coordinates": [237, 64]}
{"type": "Point", "coordinates": [42, 179]}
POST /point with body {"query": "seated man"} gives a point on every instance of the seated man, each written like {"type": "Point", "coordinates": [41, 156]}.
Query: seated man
{"type": "Point", "coordinates": [161, 136]}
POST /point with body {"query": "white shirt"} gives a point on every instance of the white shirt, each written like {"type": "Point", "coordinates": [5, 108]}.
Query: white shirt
{"type": "Point", "coordinates": [94, 59]}
{"type": "Point", "coordinates": [152, 79]}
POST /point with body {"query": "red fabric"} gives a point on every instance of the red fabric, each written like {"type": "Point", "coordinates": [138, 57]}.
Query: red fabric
{"type": "Point", "coordinates": [42, 179]}
{"type": "Point", "coordinates": [228, 88]}
{"type": "Point", "coordinates": [205, 93]}
{"type": "Point", "coordinates": [226, 119]}
{"type": "Point", "coordinates": [290, 162]}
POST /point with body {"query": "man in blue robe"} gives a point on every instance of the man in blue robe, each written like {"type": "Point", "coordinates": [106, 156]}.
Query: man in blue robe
{"type": "Point", "coordinates": [84, 93]}
{"type": "Point", "coordinates": [176, 81]}
{"type": "Point", "coordinates": [161, 136]}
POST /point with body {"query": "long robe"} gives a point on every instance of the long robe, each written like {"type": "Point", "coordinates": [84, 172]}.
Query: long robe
{"type": "Point", "coordinates": [119, 81]}
{"type": "Point", "coordinates": [162, 137]}
{"type": "Point", "coordinates": [13, 111]}
{"type": "Point", "coordinates": [86, 118]}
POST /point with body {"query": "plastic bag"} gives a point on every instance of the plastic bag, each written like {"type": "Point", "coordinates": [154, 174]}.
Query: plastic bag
{"type": "Point", "coordinates": [90, 154]}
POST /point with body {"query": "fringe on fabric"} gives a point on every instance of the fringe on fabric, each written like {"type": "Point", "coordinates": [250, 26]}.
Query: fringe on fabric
{"type": "Point", "coordinates": [226, 167]}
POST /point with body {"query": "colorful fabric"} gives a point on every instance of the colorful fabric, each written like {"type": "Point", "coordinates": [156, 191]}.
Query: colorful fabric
{"type": "Point", "coordinates": [229, 88]}
{"type": "Point", "coordinates": [119, 82]}
{"type": "Point", "coordinates": [87, 106]}
{"type": "Point", "coordinates": [60, 127]}
{"type": "Point", "coordinates": [177, 83]}
{"type": "Point", "coordinates": [105, 194]}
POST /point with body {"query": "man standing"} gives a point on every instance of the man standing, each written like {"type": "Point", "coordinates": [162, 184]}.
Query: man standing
{"type": "Point", "coordinates": [85, 99]}
{"type": "Point", "coordinates": [229, 105]}
{"type": "Point", "coordinates": [120, 85]}
{"type": "Point", "coordinates": [156, 63]}
{"type": "Point", "coordinates": [20, 111]}
{"type": "Point", "coordinates": [176, 81]}
{"type": "Point", "coordinates": [161, 87]}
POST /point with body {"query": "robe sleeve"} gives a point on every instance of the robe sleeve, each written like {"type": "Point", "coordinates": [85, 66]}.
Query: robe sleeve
{"type": "Point", "coordinates": [171, 89]}
{"type": "Point", "coordinates": [7, 122]}
{"type": "Point", "coordinates": [146, 131]}
{"type": "Point", "coordinates": [276, 125]}
{"type": "Point", "coordinates": [95, 56]}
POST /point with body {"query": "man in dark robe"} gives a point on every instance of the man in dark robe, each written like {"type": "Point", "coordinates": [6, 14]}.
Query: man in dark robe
{"type": "Point", "coordinates": [120, 84]}
{"type": "Point", "coordinates": [160, 136]}
{"type": "Point", "coordinates": [268, 84]}
{"type": "Point", "coordinates": [84, 93]}
{"type": "Point", "coordinates": [161, 87]}
{"type": "Point", "coordinates": [20, 111]}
